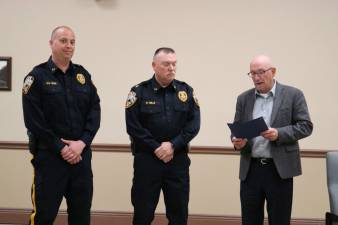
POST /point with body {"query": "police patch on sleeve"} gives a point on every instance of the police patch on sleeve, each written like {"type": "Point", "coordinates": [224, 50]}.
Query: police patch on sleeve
{"type": "Point", "coordinates": [27, 84]}
{"type": "Point", "coordinates": [131, 99]}
{"type": "Point", "coordinates": [196, 100]}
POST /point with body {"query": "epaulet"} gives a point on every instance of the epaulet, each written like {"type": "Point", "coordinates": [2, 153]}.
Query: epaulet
{"type": "Point", "coordinates": [80, 69]}
{"type": "Point", "coordinates": [78, 66]}
{"type": "Point", "coordinates": [180, 82]}
{"type": "Point", "coordinates": [39, 69]}
{"type": "Point", "coordinates": [135, 86]}
{"type": "Point", "coordinates": [40, 66]}
{"type": "Point", "coordinates": [183, 84]}
{"type": "Point", "coordinates": [142, 84]}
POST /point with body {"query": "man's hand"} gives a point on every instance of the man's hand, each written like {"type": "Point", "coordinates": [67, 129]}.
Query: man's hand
{"type": "Point", "coordinates": [69, 156]}
{"type": "Point", "coordinates": [165, 152]}
{"type": "Point", "coordinates": [271, 134]}
{"type": "Point", "coordinates": [72, 154]}
{"type": "Point", "coordinates": [239, 143]}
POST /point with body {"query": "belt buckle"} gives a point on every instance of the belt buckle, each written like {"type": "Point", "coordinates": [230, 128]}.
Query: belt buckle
{"type": "Point", "coordinates": [263, 161]}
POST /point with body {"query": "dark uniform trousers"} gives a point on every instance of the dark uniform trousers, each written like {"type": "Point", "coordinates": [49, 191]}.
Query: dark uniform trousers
{"type": "Point", "coordinates": [264, 183]}
{"type": "Point", "coordinates": [54, 179]}
{"type": "Point", "coordinates": [150, 176]}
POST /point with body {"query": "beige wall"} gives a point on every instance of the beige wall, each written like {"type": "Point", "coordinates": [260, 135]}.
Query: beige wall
{"type": "Point", "coordinates": [215, 41]}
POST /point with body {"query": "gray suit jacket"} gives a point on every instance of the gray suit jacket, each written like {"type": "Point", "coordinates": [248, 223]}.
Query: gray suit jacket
{"type": "Point", "coordinates": [290, 116]}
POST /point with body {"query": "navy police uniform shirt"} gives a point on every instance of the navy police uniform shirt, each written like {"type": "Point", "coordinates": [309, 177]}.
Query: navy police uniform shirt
{"type": "Point", "coordinates": [60, 105]}
{"type": "Point", "coordinates": [155, 114]}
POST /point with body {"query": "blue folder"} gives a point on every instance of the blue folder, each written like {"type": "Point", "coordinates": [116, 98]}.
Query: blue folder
{"type": "Point", "coordinates": [249, 129]}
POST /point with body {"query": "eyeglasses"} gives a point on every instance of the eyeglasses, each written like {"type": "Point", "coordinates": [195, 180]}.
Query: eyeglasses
{"type": "Point", "coordinates": [258, 72]}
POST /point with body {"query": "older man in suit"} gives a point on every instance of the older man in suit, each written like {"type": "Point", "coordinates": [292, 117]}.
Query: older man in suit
{"type": "Point", "coordinates": [269, 162]}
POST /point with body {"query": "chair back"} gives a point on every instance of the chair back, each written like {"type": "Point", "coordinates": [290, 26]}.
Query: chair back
{"type": "Point", "coordinates": [332, 180]}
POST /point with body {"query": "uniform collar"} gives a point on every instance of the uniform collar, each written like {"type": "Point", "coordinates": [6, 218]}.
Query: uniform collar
{"type": "Point", "coordinates": [156, 86]}
{"type": "Point", "coordinates": [53, 68]}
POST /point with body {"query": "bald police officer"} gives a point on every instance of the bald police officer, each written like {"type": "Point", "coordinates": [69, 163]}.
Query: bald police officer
{"type": "Point", "coordinates": [62, 114]}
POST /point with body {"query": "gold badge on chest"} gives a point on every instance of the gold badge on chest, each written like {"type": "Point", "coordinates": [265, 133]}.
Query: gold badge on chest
{"type": "Point", "coordinates": [80, 78]}
{"type": "Point", "coordinates": [182, 95]}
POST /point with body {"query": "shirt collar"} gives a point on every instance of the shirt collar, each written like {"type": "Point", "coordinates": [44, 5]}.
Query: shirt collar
{"type": "Point", "coordinates": [272, 92]}
{"type": "Point", "coordinates": [52, 67]}
{"type": "Point", "coordinates": [156, 86]}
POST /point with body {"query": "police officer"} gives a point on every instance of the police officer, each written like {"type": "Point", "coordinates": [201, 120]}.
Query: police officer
{"type": "Point", "coordinates": [162, 117]}
{"type": "Point", "coordinates": [62, 114]}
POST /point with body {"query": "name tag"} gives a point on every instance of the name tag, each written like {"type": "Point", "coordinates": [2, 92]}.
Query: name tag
{"type": "Point", "coordinates": [51, 83]}
{"type": "Point", "coordinates": [150, 103]}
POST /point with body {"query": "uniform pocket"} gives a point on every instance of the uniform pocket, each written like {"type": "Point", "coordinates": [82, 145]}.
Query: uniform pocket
{"type": "Point", "coordinates": [82, 89]}
{"type": "Point", "coordinates": [151, 107]}
{"type": "Point", "coordinates": [52, 89]}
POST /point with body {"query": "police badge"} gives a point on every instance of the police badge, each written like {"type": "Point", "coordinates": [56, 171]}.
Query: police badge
{"type": "Point", "coordinates": [80, 78]}
{"type": "Point", "coordinates": [182, 95]}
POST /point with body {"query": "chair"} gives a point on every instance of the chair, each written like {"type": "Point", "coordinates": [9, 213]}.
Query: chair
{"type": "Point", "coordinates": [331, 218]}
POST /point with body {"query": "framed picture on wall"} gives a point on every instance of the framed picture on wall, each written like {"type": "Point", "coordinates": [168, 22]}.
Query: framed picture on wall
{"type": "Point", "coordinates": [5, 73]}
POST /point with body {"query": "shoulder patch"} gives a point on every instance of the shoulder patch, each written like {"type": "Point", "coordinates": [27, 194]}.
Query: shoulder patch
{"type": "Point", "coordinates": [131, 99]}
{"type": "Point", "coordinates": [27, 84]}
{"type": "Point", "coordinates": [195, 99]}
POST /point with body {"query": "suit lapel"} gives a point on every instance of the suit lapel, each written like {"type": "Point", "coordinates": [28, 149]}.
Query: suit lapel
{"type": "Point", "coordinates": [250, 105]}
{"type": "Point", "coordinates": [277, 102]}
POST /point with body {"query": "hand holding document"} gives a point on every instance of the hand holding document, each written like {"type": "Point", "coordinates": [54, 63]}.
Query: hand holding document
{"type": "Point", "coordinates": [249, 129]}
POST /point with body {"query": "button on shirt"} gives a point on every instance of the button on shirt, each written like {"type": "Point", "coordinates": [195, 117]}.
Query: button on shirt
{"type": "Point", "coordinates": [263, 108]}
